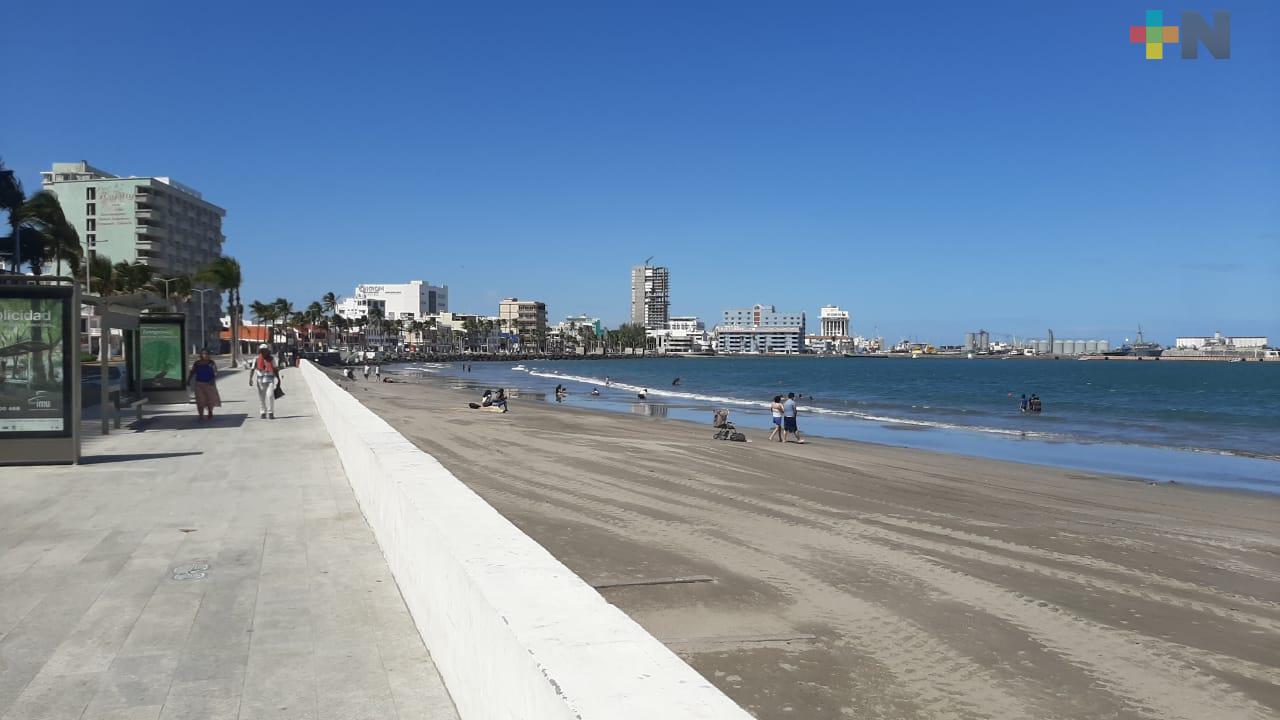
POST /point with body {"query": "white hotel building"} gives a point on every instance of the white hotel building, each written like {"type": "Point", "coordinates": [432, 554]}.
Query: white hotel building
{"type": "Point", "coordinates": [684, 334]}
{"type": "Point", "coordinates": [414, 300]}
{"type": "Point", "coordinates": [760, 329]}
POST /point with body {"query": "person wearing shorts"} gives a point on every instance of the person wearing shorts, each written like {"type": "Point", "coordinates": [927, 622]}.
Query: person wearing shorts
{"type": "Point", "coordinates": [776, 409]}
{"type": "Point", "coordinates": [789, 418]}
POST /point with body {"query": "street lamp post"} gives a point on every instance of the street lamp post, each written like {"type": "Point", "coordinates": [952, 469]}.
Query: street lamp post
{"type": "Point", "coordinates": [166, 282]}
{"type": "Point", "coordinates": [204, 339]}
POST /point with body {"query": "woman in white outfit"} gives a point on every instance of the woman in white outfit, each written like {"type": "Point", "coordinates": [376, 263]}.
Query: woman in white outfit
{"type": "Point", "coordinates": [268, 377]}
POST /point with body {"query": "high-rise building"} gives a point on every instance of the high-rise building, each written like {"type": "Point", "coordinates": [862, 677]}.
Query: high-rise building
{"type": "Point", "coordinates": [650, 296]}
{"type": "Point", "coordinates": [156, 221]}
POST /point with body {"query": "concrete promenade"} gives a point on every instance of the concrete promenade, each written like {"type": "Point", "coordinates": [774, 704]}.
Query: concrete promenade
{"type": "Point", "coordinates": [295, 616]}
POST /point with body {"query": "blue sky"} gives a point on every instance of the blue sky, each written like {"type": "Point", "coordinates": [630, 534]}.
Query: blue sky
{"type": "Point", "coordinates": [931, 167]}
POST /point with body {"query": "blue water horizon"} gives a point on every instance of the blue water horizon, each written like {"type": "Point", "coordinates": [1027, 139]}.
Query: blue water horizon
{"type": "Point", "coordinates": [1206, 424]}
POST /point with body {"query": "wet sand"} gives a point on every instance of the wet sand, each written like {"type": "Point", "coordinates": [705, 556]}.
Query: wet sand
{"type": "Point", "coordinates": [864, 581]}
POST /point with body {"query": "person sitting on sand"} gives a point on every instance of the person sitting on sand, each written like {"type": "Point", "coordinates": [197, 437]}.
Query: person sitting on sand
{"type": "Point", "coordinates": [500, 399]}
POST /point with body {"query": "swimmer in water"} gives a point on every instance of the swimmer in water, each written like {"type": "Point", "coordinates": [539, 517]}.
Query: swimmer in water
{"type": "Point", "coordinates": [594, 391]}
{"type": "Point", "coordinates": [675, 382]}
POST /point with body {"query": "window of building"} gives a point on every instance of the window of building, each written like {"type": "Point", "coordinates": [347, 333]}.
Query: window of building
{"type": "Point", "coordinates": [91, 224]}
{"type": "Point", "coordinates": [91, 209]}
{"type": "Point", "coordinates": [91, 239]}
{"type": "Point", "coordinates": [91, 193]}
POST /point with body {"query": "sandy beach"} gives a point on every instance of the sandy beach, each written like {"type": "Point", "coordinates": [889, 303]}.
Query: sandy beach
{"type": "Point", "coordinates": [844, 580]}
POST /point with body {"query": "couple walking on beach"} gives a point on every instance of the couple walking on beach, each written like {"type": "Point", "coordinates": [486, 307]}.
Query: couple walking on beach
{"type": "Point", "coordinates": [784, 418]}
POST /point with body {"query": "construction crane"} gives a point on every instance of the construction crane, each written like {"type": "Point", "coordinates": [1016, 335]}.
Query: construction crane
{"type": "Point", "coordinates": [646, 260]}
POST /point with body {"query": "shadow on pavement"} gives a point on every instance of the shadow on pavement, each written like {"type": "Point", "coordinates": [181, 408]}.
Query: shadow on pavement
{"type": "Point", "coordinates": [129, 457]}
{"type": "Point", "coordinates": [188, 422]}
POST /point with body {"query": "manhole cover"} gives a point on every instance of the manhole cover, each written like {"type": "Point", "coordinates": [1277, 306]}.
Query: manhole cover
{"type": "Point", "coordinates": [195, 570]}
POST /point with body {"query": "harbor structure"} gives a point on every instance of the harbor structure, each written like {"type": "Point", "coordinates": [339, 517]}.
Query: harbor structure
{"type": "Point", "coordinates": [414, 300]}
{"type": "Point", "coordinates": [156, 221]}
{"type": "Point", "coordinates": [1220, 347]}
{"type": "Point", "coordinates": [977, 342]}
{"type": "Point", "coordinates": [650, 296]}
{"type": "Point", "coordinates": [1219, 341]}
{"type": "Point", "coordinates": [1061, 346]}
{"type": "Point", "coordinates": [760, 329]}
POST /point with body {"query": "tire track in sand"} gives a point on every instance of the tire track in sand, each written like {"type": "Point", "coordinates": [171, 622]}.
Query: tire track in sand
{"type": "Point", "coordinates": [1153, 680]}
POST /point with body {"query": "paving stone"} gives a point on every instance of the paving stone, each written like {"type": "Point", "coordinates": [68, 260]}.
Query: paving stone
{"type": "Point", "coordinates": [296, 615]}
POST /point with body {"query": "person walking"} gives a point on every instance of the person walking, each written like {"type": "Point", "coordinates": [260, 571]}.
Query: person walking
{"type": "Point", "coordinates": [776, 409]}
{"type": "Point", "coordinates": [789, 413]}
{"type": "Point", "coordinates": [366, 371]}
{"type": "Point", "coordinates": [377, 372]}
{"type": "Point", "coordinates": [203, 376]}
{"type": "Point", "coordinates": [268, 376]}
{"type": "Point", "coordinates": [1023, 404]}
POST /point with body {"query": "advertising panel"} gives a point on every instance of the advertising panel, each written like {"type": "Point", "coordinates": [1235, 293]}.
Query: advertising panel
{"type": "Point", "coordinates": [36, 351]}
{"type": "Point", "coordinates": [163, 353]}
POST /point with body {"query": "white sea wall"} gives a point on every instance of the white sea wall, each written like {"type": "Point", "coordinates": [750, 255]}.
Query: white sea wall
{"type": "Point", "coordinates": [515, 634]}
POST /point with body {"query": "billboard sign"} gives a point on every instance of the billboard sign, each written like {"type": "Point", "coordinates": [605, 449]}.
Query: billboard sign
{"type": "Point", "coordinates": [162, 355]}
{"type": "Point", "coordinates": [36, 352]}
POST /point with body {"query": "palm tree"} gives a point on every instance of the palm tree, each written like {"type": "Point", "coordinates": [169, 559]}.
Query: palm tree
{"type": "Point", "coordinates": [284, 315]}
{"type": "Point", "coordinates": [224, 274]}
{"type": "Point", "coordinates": [11, 199]}
{"type": "Point", "coordinates": [132, 277]}
{"type": "Point", "coordinates": [340, 325]}
{"type": "Point", "coordinates": [262, 312]}
{"type": "Point", "coordinates": [47, 235]}
{"type": "Point", "coordinates": [314, 313]}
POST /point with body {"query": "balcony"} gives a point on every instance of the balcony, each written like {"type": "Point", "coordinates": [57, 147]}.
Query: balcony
{"type": "Point", "coordinates": [152, 231]}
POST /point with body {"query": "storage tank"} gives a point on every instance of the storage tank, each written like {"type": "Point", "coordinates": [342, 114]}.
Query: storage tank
{"type": "Point", "coordinates": [1104, 346]}
{"type": "Point", "coordinates": [1091, 347]}
{"type": "Point", "coordinates": [1058, 346]}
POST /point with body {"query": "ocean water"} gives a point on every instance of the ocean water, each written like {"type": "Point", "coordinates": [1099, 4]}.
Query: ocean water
{"type": "Point", "coordinates": [1207, 423]}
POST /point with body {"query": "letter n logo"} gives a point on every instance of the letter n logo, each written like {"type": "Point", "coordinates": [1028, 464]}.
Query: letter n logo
{"type": "Point", "coordinates": [1216, 39]}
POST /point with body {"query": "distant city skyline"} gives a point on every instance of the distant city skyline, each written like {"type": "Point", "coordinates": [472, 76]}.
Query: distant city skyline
{"type": "Point", "coordinates": [988, 179]}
